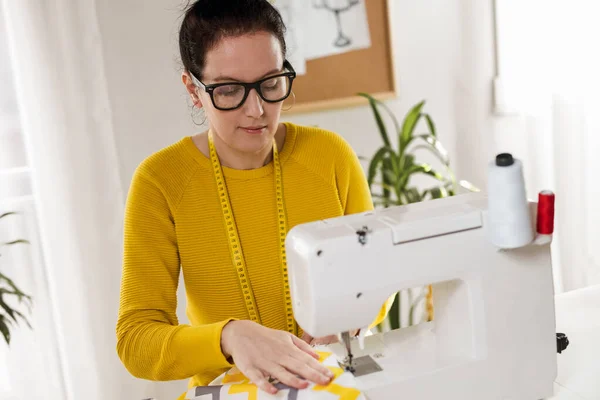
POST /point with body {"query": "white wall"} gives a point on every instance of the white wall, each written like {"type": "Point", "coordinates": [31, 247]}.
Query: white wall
{"type": "Point", "coordinates": [444, 54]}
{"type": "Point", "coordinates": [142, 69]}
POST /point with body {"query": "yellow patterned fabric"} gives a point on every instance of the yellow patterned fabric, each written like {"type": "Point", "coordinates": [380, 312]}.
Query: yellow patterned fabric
{"type": "Point", "coordinates": [234, 385]}
{"type": "Point", "coordinates": [174, 223]}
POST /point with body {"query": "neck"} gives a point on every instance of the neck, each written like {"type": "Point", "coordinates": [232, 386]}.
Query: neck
{"type": "Point", "coordinates": [235, 159]}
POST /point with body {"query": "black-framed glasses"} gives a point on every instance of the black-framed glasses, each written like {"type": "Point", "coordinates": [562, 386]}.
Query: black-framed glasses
{"type": "Point", "coordinates": [231, 95]}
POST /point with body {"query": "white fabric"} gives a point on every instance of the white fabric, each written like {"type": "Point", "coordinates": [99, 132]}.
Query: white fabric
{"type": "Point", "coordinates": [57, 59]}
{"type": "Point", "coordinates": [547, 101]}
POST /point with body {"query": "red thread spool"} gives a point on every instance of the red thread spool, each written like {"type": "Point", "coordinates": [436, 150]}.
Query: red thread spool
{"type": "Point", "coordinates": [545, 213]}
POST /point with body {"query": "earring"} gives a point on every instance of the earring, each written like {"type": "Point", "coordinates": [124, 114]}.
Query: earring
{"type": "Point", "coordinates": [293, 103]}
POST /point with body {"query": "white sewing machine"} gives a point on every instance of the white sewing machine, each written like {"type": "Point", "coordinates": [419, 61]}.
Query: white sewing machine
{"type": "Point", "coordinates": [493, 335]}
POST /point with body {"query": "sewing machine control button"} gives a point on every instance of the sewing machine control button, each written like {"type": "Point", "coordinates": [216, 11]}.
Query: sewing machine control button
{"type": "Point", "coordinates": [362, 234]}
{"type": "Point", "coordinates": [562, 342]}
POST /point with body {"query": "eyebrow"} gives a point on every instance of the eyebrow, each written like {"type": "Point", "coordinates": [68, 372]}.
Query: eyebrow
{"type": "Point", "coordinates": [230, 79]}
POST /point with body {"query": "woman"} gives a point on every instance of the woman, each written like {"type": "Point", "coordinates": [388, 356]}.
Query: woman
{"type": "Point", "coordinates": [219, 203]}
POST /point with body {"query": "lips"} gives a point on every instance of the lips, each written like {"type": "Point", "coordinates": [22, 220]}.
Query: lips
{"type": "Point", "coordinates": [254, 129]}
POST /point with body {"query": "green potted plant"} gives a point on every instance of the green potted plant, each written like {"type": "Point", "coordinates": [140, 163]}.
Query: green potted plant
{"type": "Point", "coordinates": [9, 295]}
{"type": "Point", "coordinates": [389, 175]}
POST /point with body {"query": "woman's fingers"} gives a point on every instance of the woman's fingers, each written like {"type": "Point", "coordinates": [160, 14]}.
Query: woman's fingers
{"type": "Point", "coordinates": [260, 380]}
{"type": "Point", "coordinates": [308, 369]}
{"type": "Point", "coordinates": [308, 361]}
{"type": "Point", "coordinates": [286, 377]}
{"type": "Point", "coordinates": [302, 345]}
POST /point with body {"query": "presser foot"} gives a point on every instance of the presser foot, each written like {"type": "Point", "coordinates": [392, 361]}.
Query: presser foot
{"type": "Point", "coordinates": [347, 362]}
{"type": "Point", "coordinates": [347, 365]}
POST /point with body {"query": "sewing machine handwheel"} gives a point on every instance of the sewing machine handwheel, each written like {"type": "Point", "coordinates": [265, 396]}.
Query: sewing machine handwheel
{"type": "Point", "coordinates": [562, 341]}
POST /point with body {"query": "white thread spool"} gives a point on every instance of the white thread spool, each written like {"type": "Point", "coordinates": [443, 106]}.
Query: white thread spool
{"type": "Point", "coordinates": [509, 217]}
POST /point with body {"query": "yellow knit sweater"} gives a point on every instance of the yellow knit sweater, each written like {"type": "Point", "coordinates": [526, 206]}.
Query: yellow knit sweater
{"type": "Point", "coordinates": [173, 221]}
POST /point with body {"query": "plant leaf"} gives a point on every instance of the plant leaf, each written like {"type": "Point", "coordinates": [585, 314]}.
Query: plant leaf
{"type": "Point", "coordinates": [387, 180]}
{"type": "Point", "coordinates": [16, 242]}
{"type": "Point", "coordinates": [17, 312]}
{"type": "Point", "coordinates": [395, 163]}
{"type": "Point", "coordinates": [433, 145]}
{"type": "Point", "coordinates": [7, 214]}
{"type": "Point", "coordinates": [7, 309]}
{"type": "Point", "coordinates": [375, 161]}
{"type": "Point", "coordinates": [469, 186]}
{"type": "Point", "coordinates": [16, 290]}
{"type": "Point", "coordinates": [4, 329]}
{"type": "Point", "coordinates": [390, 176]}
{"type": "Point", "coordinates": [392, 117]}
{"type": "Point", "coordinates": [430, 124]}
{"type": "Point", "coordinates": [407, 162]}
{"type": "Point", "coordinates": [426, 169]}
{"type": "Point", "coordinates": [408, 127]}
{"type": "Point", "coordinates": [438, 192]}
{"type": "Point", "coordinates": [383, 185]}
{"type": "Point", "coordinates": [382, 130]}
{"type": "Point", "coordinates": [394, 314]}
{"type": "Point", "coordinates": [412, 195]}
{"type": "Point", "coordinates": [418, 169]}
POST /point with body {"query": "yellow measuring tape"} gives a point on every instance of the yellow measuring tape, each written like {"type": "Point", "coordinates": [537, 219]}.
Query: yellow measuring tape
{"type": "Point", "coordinates": [235, 248]}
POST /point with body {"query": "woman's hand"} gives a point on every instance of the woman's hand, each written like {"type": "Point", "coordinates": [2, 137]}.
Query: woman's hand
{"type": "Point", "coordinates": [261, 353]}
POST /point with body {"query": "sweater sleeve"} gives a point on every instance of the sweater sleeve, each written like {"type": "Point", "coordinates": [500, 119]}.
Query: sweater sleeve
{"type": "Point", "coordinates": [353, 187]}
{"type": "Point", "coordinates": [150, 342]}
{"type": "Point", "coordinates": [355, 197]}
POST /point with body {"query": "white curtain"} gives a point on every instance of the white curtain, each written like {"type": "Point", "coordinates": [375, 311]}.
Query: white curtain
{"type": "Point", "coordinates": [548, 100]}
{"type": "Point", "coordinates": [56, 51]}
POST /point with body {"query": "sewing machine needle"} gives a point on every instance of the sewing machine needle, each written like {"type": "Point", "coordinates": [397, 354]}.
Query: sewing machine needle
{"type": "Point", "coordinates": [346, 339]}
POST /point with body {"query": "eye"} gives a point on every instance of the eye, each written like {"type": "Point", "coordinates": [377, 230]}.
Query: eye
{"type": "Point", "coordinates": [229, 90]}
{"type": "Point", "coordinates": [271, 84]}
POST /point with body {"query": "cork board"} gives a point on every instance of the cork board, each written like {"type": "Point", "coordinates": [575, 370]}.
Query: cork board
{"type": "Point", "coordinates": [334, 81]}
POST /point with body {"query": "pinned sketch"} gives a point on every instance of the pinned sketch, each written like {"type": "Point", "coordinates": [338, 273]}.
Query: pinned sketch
{"type": "Point", "coordinates": [337, 8]}
{"type": "Point", "coordinates": [293, 14]}
{"type": "Point", "coordinates": [336, 26]}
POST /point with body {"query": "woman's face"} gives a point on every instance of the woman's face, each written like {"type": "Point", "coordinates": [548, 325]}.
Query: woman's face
{"type": "Point", "coordinates": [248, 58]}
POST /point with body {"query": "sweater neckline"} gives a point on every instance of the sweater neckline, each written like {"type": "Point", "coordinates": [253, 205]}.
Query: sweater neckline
{"type": "Point", "coordinates": [204, 161]}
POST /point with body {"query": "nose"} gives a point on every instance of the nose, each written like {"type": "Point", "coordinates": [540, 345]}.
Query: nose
{"type": "Point", "coordinates": [254, 105]}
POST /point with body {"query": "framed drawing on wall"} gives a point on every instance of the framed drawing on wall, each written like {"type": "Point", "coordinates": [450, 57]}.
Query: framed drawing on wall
{"type": "Point", "coordinates": [333, 81]}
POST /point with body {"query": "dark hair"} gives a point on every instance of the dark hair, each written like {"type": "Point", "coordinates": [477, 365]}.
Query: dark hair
{"type": "Point", "coordinates": [208, 21]}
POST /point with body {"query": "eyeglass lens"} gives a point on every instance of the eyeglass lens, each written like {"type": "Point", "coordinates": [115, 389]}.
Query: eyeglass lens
{"type": "Point", "coordinates": [231, 96]}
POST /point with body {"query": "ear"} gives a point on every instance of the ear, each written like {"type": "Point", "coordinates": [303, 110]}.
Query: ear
{"type": "Point", "coordinates": [191, 88]}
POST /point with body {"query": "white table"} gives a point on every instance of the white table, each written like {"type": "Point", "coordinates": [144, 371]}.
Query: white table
{"type": "Point", "coordinates": [578, 316]}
